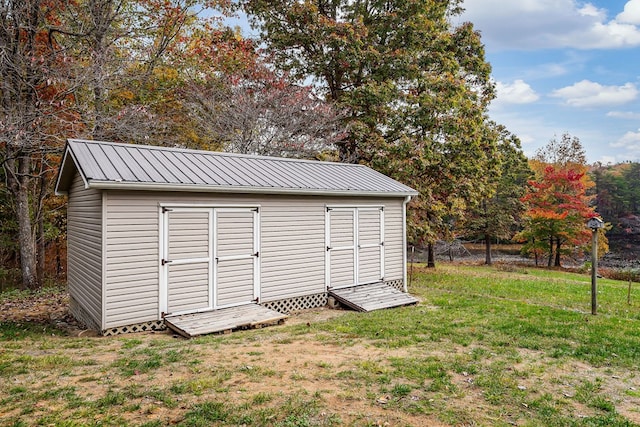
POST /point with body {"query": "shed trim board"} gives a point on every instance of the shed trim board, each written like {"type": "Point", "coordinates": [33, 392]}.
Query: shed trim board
{"type": "Point", "coordinates": [104, 259]}
{"type": "Point", "coordinates": [357, 247]}
{"type": "Point", "coordinates": [405, 285]}
{"type": "Point", "coordinates": [218, 258]}
{"type": "Point", "coordinates": [108, 185]}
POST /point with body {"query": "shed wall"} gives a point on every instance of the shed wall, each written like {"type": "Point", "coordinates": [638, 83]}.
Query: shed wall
{"type": "Point", "coordinates": [292, 253]}
{"type": "Point", "coordinates": [84, 252]}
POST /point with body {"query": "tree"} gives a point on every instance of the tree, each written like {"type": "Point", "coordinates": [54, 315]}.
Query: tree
{"type": "Point", "coordinates": [558, 204]}
{"type": "Point", "coordinates": [263, 114]}
{"type": "Point", "coordinates": [34, 109]}
{"type": "Point", "coordinates": [80, 69]}
{"type": "Point", "coordinates": [499, 213]}
{"type": "Point", "coordinates": [414, 88]}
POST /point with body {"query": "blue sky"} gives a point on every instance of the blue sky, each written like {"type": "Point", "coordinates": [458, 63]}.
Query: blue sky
{"type": "Point", "coordinates": [562, 66]}
{"type": "Point", "coordinates": [565, 66]}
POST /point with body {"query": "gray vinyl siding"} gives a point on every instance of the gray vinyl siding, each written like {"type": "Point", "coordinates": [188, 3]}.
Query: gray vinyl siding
{"type": "Point", "coordinates": [132, 279]}
{"type": "Point", "coordinates": [292, 251]}
{"type": "Point", "coordinates": [84, 248]}
{"type": "Point", "coordinates": [394, 240]}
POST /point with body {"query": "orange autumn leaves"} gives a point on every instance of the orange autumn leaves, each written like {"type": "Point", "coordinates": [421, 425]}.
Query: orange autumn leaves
{"type": "Point", "coordinates": [558, 206]}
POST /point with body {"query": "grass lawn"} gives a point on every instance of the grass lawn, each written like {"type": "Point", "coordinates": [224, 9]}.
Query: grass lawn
{"type": "Point", "coordinates": [486, 346]}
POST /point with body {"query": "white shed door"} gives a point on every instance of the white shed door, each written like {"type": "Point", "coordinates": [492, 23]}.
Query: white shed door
{"type": "Point", "coordinates": [187, 260]}
{"type": "Point", "coordinates": [355, 246]}
{"type": "Point", "coordinates": [210, 258]}
{"type": "Point", "coordinates": [341, 247]}
{"type": "Point", "coordinates": [236, 256]}
{"type": "Point", "coordinates": [370, 245]}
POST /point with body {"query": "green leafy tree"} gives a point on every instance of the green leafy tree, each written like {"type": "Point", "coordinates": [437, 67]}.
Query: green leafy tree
{"type": "Point", "coordinates": [414, 88]}
{"type": "Point", "coordinates": [498, 214]}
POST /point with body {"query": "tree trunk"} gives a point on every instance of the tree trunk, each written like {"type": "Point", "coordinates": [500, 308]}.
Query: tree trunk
{"type": "Point", "coordinates": [40, 249]}
{"type": "Point", "coordinates": [18, 185]}
{"type": "Point", "coordinates": [550, 260]}
{"type": "Point", "coordinates": [487, 250]}
{"type": "Point", "coordinates": [431, 259]}
{"type": "Point", "coordinates": [558, 246]}
{"type": "Point", "coordinates": [40, 239]}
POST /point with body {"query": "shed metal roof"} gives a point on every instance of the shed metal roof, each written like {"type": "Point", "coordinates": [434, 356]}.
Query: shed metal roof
{"type": "Point", "coordinates": [108, 165]}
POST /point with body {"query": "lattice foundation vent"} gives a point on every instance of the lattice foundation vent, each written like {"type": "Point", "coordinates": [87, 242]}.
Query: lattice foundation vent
{"type": "Point", "coordinates": [157, 325]}
{"type": "Point", "coordinates": [398, 284]}
{"type": "Point", "coordinates": [288, 305]}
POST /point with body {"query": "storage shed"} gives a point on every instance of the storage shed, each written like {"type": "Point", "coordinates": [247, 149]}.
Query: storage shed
{"type": "Point", "coordinates": [156, 232]}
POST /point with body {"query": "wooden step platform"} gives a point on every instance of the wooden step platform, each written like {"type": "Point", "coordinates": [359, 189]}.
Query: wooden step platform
{"type": "Point", "coordinates": [223, 320]}
{"type": "Point", "coordinates": [371, 297]}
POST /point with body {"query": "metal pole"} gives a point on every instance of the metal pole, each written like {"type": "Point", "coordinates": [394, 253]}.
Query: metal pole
{"type": "Point", "coordinates": [594, 271]}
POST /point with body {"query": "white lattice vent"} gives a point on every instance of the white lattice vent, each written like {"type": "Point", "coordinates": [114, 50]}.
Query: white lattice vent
{"type": "Point", "coordinates": [398, 284]}
{"type": "Point", "coordinates": [157, 325]}
{"type": "Point", "coordinates": [288, 305]}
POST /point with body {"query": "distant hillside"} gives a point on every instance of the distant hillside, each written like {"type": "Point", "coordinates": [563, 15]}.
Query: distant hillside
{"type": "Point", "coordinates": [617, 191]}
{"type": "Point", "coordinates": [617, 199]}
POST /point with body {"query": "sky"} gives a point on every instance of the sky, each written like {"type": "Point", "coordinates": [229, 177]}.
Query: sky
{"type": "Point", "coordinates": [562, 66]}
{"type": "Point", "coordinates": [565, 66]}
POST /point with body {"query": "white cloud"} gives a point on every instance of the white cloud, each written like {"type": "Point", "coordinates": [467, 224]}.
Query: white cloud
{"type": "Point", "coordinates": [517, 92]}
{"type": "Point", "coordinates": [538, 24]}
{"type": "Point", "coordinates": [631, 13]}
{"type": "Point", "coordinates": [630, 141]}
{"type": "Point", "coordinates": [629, 115]}
{"type": "Point", "coordinates": [590, 94]}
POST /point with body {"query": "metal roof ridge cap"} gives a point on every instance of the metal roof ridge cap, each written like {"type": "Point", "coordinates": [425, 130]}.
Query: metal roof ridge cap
{"type": "Point", "coordinates": [110, 185]}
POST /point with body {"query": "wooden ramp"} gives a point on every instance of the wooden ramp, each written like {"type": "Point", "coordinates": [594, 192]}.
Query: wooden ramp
{"type": "Point", "coordinates": [223, 320]}
{"type": "Point", "coordinates": [371, 297]}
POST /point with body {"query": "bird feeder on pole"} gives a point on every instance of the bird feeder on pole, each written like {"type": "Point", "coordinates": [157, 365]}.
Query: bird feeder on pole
{"type": "Point", "coordinates": [594, 224]}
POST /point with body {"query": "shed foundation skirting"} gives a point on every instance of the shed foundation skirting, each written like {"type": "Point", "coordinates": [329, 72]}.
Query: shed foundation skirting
{"type": "Point", "coordinates": [398, 284]}
{"type": "Point", "coordinates": [81, 315]}
{"type": "Point", "coordinates": [286, 306]}
{"type": "Point", "coordinates": [157, 325]}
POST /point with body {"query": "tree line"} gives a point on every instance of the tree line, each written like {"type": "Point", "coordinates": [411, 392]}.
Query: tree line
{"type": "Point", "coordinates": [393, 85]}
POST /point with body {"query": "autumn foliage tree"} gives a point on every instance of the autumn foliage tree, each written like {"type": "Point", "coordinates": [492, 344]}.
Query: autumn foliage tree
{"type": "Point", "coordinates": [35, 108]}
{"type": "Point", "coordinates": [94, 69]}
{"type": "Point", "coordinates": [558, 205]}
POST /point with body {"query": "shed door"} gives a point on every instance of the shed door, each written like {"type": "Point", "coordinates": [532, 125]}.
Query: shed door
{"type": "Point", "coordinates": [210, 258]}
{"type": "Point", "coordinates": [236, 256]}
{"type": "Point", "coordinates": [370, 245]}
{"type": "Point", "coordinates": [187, 260]}
{"type": "Point", "coordinates": [355, 246]}
{"type": "Point", "coordinates": [341, 247]}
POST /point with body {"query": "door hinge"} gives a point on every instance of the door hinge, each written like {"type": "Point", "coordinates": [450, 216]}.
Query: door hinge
{"type": "Point", "coordinates": [328, 248]}
{"type": "Point", "coordinates": [165, 261]}
{"type": "Point", "coordinates": [257, 254]}
{"type": "Point", "coordinates": [166, 209]}
{"type": "Point", "coordinates": [256, 209]}
{"type": "Point", "coordinates": [329, 209]}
